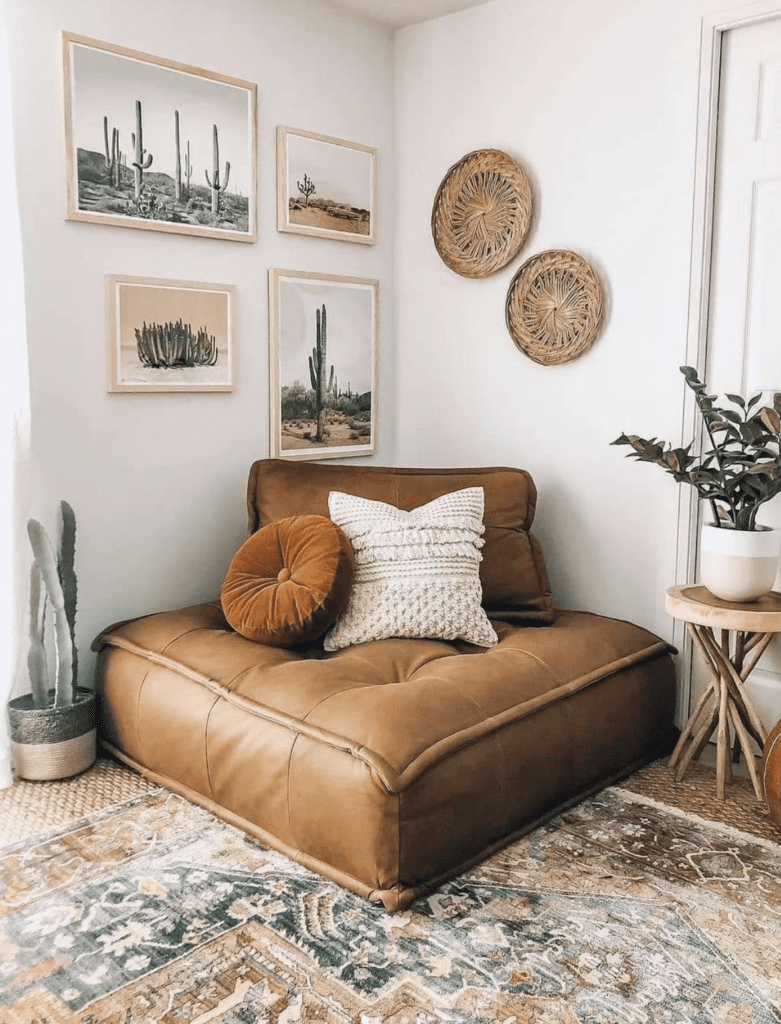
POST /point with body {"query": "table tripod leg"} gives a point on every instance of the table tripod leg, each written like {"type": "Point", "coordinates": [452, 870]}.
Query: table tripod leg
{"type": "Point", "coordinates": [723, 766]}
{"type": "Point", "coordinates": [689, 728]}
{"type": "Point", "coordinates": [698, 743]}
{"type": "Point", "coordinates": [742, 735]}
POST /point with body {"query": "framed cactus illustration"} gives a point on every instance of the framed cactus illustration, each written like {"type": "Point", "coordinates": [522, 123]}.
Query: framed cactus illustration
{"type": "Point", "coordinates": [158, 145]}
{"type": "Point", "coordinates": [323, 372]}
{"type": "Point", "coordinates": [169, 335]}
{"type": "Point", "coordinates": [326, 186]}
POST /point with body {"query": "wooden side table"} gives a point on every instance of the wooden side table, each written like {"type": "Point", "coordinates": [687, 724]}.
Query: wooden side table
{"type": "Point", "coordinates": [745, 631]}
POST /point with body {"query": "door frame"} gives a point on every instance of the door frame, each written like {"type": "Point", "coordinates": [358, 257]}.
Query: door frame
{"type": "Point", "coordinates": [713, 28]}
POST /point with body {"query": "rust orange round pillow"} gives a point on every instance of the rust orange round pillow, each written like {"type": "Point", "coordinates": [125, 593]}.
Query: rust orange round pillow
{"type": "Point", "coordinates": [289, 581]}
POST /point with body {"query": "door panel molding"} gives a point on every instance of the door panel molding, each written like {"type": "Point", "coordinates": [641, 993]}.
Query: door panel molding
{"type": "Point", "coordinates": [763, 372]}
{"type": "Point", "coordinates": [769, 100]}
{"type": "Point", "coordinates": [712, 32]}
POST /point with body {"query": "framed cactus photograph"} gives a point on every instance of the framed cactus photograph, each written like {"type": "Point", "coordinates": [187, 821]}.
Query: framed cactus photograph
{"type": "Point", "coordinates": [158, 145]}
{"type": "Point", "coordinates": [323, 372]}
{"type": "Point", "coordinates": [169, 335]}
{"type": "Point", "coordinates": [326, 186]}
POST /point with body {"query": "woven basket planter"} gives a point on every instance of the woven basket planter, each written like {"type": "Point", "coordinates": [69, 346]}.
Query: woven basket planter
{"type": "Point", "coordinates": [482, 213]}
{"type": "Point", "coordinates": [53, 742]}
{"type": "Point", "coordinates": [554, 307]}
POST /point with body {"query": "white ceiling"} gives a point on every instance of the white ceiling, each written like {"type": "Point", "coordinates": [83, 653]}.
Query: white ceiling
{"type": "Point", "coordinates": [398, 13]}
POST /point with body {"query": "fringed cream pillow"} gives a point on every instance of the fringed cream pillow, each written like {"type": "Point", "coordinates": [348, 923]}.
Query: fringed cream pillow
{"type": "Point", "coordinates": [416, 573]}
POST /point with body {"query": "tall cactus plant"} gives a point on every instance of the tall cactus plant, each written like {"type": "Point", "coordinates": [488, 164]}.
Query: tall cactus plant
{"type": "Point", "coordinates": [53, 582]}
{"type": "Point", "coordinates": [37, 661]}
{"type": "Point", "coordinates": [317, 371]}
{"type": "Point", "coordinates": [214, 183]}
{"type": "Point", "coordinates": [143, 160]}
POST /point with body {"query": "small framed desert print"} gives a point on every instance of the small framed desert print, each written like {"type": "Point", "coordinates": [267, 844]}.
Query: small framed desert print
{"type": "Point", "coordinates": [326, 186]}
{"type": "Point", "coordinates": [158, 145]}
{"type": "Point", "coordinates": [169, 335]}
{"type": "Point", "coordinates": [323, 379]}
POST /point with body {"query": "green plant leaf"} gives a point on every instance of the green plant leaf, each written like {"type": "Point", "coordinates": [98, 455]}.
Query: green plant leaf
{"type": "Point", "coordinates": [731, 415]}
{"type": "Point", "coordinates": [737, 400]}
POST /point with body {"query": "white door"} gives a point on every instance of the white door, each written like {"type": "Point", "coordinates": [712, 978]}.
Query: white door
{"type": "Point", "coordinates": [744, 327]}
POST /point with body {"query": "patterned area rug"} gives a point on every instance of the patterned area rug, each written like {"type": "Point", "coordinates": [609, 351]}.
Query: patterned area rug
{"type": "Point", "coordinates": [620, 911]}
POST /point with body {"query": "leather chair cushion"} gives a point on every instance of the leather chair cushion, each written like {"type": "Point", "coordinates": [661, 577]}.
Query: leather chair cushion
{"type": "Point", "coordinates": [384, 765]}
{"type": "Point", "coordinates": [289, 582]}
{"type": "Point", "coordinates": [512, 572]}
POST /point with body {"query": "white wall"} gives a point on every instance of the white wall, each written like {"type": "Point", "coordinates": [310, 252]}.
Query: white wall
{"type": "Point", "coordinates": [158, 481]}
{"type": "Point", "coordinates": [597, 99]}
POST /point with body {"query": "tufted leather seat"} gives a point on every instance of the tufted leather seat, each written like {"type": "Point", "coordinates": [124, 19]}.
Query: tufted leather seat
{"type": "Point", "coordinates": [389, 765]}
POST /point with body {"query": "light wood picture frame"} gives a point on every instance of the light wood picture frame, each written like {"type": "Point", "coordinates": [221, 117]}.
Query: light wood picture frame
{"type": "Point", "coordinates": [158, 145]}
{"type": "Point", "coordinates": [324, 333]}
{"type": "Point", "coordinates": [164, 335]}
{"type": "Point", "coordinates": [326, 187]}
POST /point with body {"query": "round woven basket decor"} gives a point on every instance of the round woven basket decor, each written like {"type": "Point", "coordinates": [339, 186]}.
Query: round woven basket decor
{"type": "Point", "coordinates": [482, 213]}
{"type": "Point", "coordinates": [554, 307]}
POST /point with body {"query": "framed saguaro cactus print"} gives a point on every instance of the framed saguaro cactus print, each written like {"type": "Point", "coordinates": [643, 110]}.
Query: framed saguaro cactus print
{"type": "Point", "coordinates": [155, 144]}
{"type": "Point", "coordinates": [323, 379]}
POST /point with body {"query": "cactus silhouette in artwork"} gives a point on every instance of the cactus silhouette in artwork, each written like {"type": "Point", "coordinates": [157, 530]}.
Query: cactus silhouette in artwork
{"type": "Point", "coordinates": [178, 176]}
{"type": "Point", "coordinates": [116, 159]}
{"type": "Point", "coordinates": [188, 167]}
{"type": "Point", "coordinates": [317, 371]}
{"type": "Point", "coordinates": [169, 345]}
{"type": "Point", "coordinates": [112, 155]}
{"type": "Point", "coordinates": [105, 141]}
{"type": "Point", "coordinates": [53, 583]}
{"type": "Point", "coordinates": [306, 188]}
{"type": "Point", "coordinates": [214, 183]}
{"type": "Point", "coordinates": [143, 160]}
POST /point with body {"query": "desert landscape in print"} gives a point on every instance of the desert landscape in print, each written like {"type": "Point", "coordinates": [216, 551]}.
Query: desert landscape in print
{"type": "Point", "coordinates": [323, 414]}
{"type": "Point", "coordinates": [153, 144]}
{"type": "Point", "coordinates": [325, 213]}
{"type": "Point", "coordinates": [329, 185]}
{"type": "Point", "coordinates": [326, 366]}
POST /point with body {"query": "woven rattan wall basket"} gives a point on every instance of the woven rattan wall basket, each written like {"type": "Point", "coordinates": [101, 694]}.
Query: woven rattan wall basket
{"type": "Point", "coordinates": [554, 307]}
{"type": "Point", "coordinates": [482, 213]}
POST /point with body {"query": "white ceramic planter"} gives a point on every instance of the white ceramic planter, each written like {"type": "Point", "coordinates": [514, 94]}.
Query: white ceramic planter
{"type": "Point", "coordinates": [739, 565]}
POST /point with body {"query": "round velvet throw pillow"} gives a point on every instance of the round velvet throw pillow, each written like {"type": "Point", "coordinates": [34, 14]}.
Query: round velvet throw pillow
{"type": "Point", "coordinates": [289, 581]}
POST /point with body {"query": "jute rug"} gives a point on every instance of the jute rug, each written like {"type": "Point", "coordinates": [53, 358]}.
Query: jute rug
{"type": "Point", "coordinates": [623, 910]}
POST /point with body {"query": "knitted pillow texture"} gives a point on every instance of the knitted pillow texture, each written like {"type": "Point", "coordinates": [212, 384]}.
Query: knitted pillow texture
{"type": "Point", "coordinates": [416, 573]}
{"type": "Point", "coordinates": [289, 581]}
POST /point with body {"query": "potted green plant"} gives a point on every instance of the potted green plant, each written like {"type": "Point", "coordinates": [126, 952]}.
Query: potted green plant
{"type": "Point", "coordinates": [736, 472]}
{"type": "Point", "coordinates": [53, 727]}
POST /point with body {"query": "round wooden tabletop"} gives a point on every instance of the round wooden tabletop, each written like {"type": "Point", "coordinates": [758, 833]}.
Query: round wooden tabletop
{"type": "Point", "coordinates": [696, 604]}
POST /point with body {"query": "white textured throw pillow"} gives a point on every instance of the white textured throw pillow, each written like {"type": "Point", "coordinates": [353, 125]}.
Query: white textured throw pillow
{"type": "Point", "coordinates": [416, 573]}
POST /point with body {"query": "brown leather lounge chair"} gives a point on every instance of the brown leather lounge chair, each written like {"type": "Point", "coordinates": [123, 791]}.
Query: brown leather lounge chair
{"type": "Point", "coordinates": [391, 765]}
